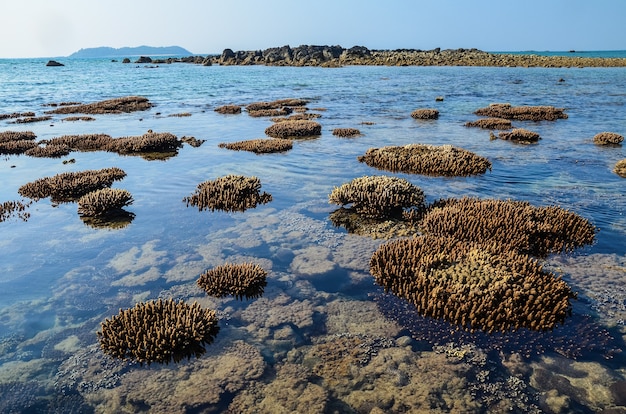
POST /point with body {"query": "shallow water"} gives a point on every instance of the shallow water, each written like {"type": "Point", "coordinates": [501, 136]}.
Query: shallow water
{"type": "Point", "coordinates": [60, 278]}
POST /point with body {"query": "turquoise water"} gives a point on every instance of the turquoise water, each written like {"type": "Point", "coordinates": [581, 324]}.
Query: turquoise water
{"type": "Point", "coordinates": [59, 278]}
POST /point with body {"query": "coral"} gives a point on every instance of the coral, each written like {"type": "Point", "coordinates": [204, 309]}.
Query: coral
{"type": "Point", "coordinates": [48, 151]}
{"type": "Point", "coordinates": [16, 115]}
{"type": "Point", "coordinates": [425, 113]}
{"type": "Point", "coordinates": [158, 331]}
{"type": "Point", "coordinates": [473, 288]}
{"type": "Point", "coordinates": [103, 202]}
{"type": "Point", "coordinates": [608, 138]}
{"type": "Point", "coordinates": [11, 208]}
{"type": "Point", "coordinates": [31, 119]}
{"type": "Point", "coordinates": [378, 196]}
{"type": "Point", "coordinates": [162, 142]}
{"type": "Point", "coordinates": [109, 106]}
{"type": "Point", "coordinates": [444, 160]}
{"type": "Point", "coordinates": [509, 225]}
{"type": "Point", "coordinates": [228, 109]}
{"type": "Point", "coordinates": [376, 228]}
{"type": "Point", "coordinates": [16, 142]}
{"type": "Point", "coordinates": [6, 136]}
{"type": "Point", "coordinates": [228, 193]}
{"type": "Point", "coordinates": [260, 146]}
{"type": "Point", "coordinates": [520, 135]}
{"type": "Point", "coordinates": [522, 113]}
{"type": "Point", "coordinates": [284, 111]}
{"type": "Point", "coordinates": [294, 129]}
{"type": "Point", "coordinates": [71, 186]}
{"type": "Point", "coordinates": [346, 132]}
{"type": "Point", "coordinates": [620, 168]}
{"type": "Point", "coordinates": [490, 123]}
{"type": "Point", "coordinates": [245, 280]}
{"type": "Point", "coordinates": [85, 142]}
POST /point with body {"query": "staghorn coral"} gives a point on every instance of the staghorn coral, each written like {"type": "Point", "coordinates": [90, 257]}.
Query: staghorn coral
{"type": "Point", "coordinates": [490, 123]}
{"type": "Point", "coordinates": [297, 117]}
{"type": "Point", "coordinates": [109, 106]}
{"type": "Point", "coordinates": [11, 208]}
{"type": "Point", "coordinates": [84, 142]}
{"type": "Point", "coordinates": [228, 109]}
{"type": "Point", "coordinates": [228, 193]}
{"type": "Point", "coordinates": [16, 115]}
{"type": "Point", "coordinates": [346, 132]}
{"type": "Point", "coordinates": [103, 202]}
{"type": "Point", "coordinates": [161, 142]}
{"type": "Point", "coordinates": [71, 186]}
{"type": "Point", "coordinates": [444, 160]}
{"type": "Point", "coordinates": [31, 119]}
{"type": "Point", "coordinates": [425, 113]}
{"type": "Point", "coordinates": [508, 225]}
{"type": "Point", "coordinates": [260, 146]}
{"type": "Point", "coordinates": [6, 136]}
{"type": "Point", "coordinates": [294, 129]}
{"type": "Point", "coordinates": [620, 168]}
{"type": "Point", "coordinates": [245, 280]}
{"type": "Point", "coordinates": [48, 151]}
{"type": "Point", "coordinates": [378, 196]}
{"type": "Point", "coordinates": [522, 113]}
{"type": "Point", "coordinates": [257, 113]}
{"type": "Point", "coordinates": [15, 147]}
{"type": "Point", "coordinates": [608, 138]}
{"type": "Point", "coordinates": [471, 287]}
{"type": "Point", "coordinates": [158, 331]}
{"type": "Point", "coordinates": [520, 135]}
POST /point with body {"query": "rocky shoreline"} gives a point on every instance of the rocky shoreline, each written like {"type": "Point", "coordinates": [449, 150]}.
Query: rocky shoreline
{"type": "Point", "coordinates": [337, 56]}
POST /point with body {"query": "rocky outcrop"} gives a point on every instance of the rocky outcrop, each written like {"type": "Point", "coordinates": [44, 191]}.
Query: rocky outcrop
{"type": "Point", "coordinates": [54, 63]}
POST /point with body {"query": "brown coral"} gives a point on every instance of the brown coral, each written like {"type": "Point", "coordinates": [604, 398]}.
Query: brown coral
{"type": "Point", "coordinates": [71, 186]}
{"type": "Point", "coordinates": [260, 146]}
{"type": "Point", "coordinates": [294, 129]}
{"type": "Point", "coordinates": [522, 113]}
{"type": "Point", "coordinates": [158, 331]}
{"type": "Point", "coordinates": [103, 202]}
{"type": "Point", "coordinates": [490, 123]}
{"type": "Point", "coordinates": [228, 193]}
{"type": "Point", "coordinates": [620, 168]}
{"type": "Point", "coordinates": [228, 109]}
{"type": "Point", "coordinates": [48, 151]}
{"type": "Point", "coordinates": [109, 106]}
{"type": "Point", "coordinates": [444, 160]}
{"type": "Point", "coordinates": [425, 113]}
{"type": "Point", "coordinates": [245, 280]}
{"type": "Point", "coordinates": [346, 132]}
{"type": "Point", "coordinates": [84, 142]}
{"type": "Point", "coordinates": [11, 208]}
{"type": "Point", "coordinates": [378, 196]}
{"type": "Point", "coordinates": [608, 138]}
{"type": "Point", "coordinates": [520, 135]}
{"type": "Point", "coordinates": [476, 289]}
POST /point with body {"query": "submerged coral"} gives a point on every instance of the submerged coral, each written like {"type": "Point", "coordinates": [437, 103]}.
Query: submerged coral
{"type": "Point", "coordinates": [522, 113]}
{"type": "Point", "coordinates": [520, 135]}
{"type": "Point", "coordinates": [228, 193]}
{"type": "Point", "coordinates": [444, 160]}
{"type": "Point", "coordinates": [260, 146]}
{"type": "Point", "coordinates": [245, 280]}
{"type": "Point", "coordinates": [159, 331]}
{"type": "Point", "coordinates": [10, 208]}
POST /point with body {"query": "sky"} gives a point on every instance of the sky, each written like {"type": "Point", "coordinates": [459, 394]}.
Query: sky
{"type": "Point", "coordinates": [55, 28]}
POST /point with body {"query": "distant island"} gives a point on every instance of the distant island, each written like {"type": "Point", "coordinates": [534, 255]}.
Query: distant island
{"type": "Point", "coordinates": [110, 52]}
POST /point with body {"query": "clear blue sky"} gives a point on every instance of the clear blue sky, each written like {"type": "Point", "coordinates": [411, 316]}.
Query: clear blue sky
{"type": "Point", "coordinates": [51, 28]}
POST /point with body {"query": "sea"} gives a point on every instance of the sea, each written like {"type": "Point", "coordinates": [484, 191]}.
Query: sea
{"type": "Point", "coordinates": [323, 337]}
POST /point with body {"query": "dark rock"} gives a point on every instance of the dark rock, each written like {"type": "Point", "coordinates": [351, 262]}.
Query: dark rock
{"type": "Point", "coordinates": [126, 60]}
{"type": "Point", "coordinates": [144, 59]}
{"type": "Point", "coordinates": [54, 63]}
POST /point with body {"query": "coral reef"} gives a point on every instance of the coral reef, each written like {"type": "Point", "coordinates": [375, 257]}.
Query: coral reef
{"type": "Point", "coordinates": [109, 106]}
{"type": "Point", "coordinates": [519, 135]}
{"type": "Point", "coordinates": [508, 225]}
{"type": "Point", "coordinates": [159, 331]}
{"type": "Point", "coordinates": [608, 138]}
{"type": "Point", "coordinates": [31, 119]}
{"type": "Point", "coordinates": [16, 142]}
{"type": "Point", "coordinates": [378, 196]}
{"type": "Point", "coordinates": [10, 208]}
{"type": "Point", "coordinates": [228, 109]}
{"type": "Point", "coordinates": [444, 160]}
{"type": "Point", "coordinates": [346, 132]}
{"type": "Point", "coordinates": [105, 201]}
{"type": "Point", "coordinates": [71, 186]}
{"type": "Point", "coordinates": [245, 280]}
{"type": "Point", "coordinates": [48, 151]}
{"type": "Point", "coordinates": [522, 113]}
{"type": "Point", "coordinates": [84, 142]}
{"type": "Point", "coordinates": [620, 168]}
{"type": "Point", "coordinates": [490, 123]}
{"type": "Point", "coordinates": [150, 142]}
{"type": "Point", "coordinates": [475, 289]}
{"type": "Point", "coordinates": [425, 113]}
{"type": "Point", "coordinates": [260, 146]}
{"type": "Point", "coordinates": [228, 193]}
{"type": "Point", "coordinates": [16, 115]}
{"type": "Point", "coordinates": [375, 228]}
{"type": "Point", "coordinates": [294, 129]}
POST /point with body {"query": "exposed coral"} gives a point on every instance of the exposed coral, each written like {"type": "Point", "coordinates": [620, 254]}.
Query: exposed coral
{"type": "Point", "coordinates": [6, 136]}
{"type": "Point", "coordinates": [490, 123]}
{"type": "Point", "coordinates": [608, 138]}
{"type": "Point", "coordinates": [18, 146]}
{"type": "Point", "coordinates": [103, 202]}
{"type": "Point", "coordinates": [159, 331]}
{"type": "Point", "coordinates": [444, 160]}
{"type": "Point", "coordinates": [71, 186]}
{"type": "Point", "coordinates": [245, 280]}
{"type": "Point", "coordinates": [260, 146]}
{"type": "Point", "coordinates": [346, 132]}
{"type": "Point", "coordinates": [294, 129]}
{"type": "Point", "coordinates": [85, 142]}
{"type": "Point", "coordinates": [520, 135]}
{"type": "Point", "coordinates": [78, 118]}
{"type": "Point", "coordinates": [48, 151]}
{"type": "Point", "coordinates": [109, 106]}
{"type": "Point", "coordinates": [159, 142]}
{"type": "Point", "coordinates": [228, 109]}
{"type": "Point", "coordinates": [16, 115]}
{"type": "Point", "coordinates": [522, 113]}
{"type": "Point", "coordinates": [228, 193]}
{"type": "Point", "coordinates": [378, 196]}
{"type": "Point", "coordinates": [620, 168]}
{"type": "Point", "coordinates": [257, 113]}
{"type": "Point", "coordinates": [509, 225]}
{"type": "Point", "coordinates": [31, 119]}
{"type": "Point", "coordinates": [10, 208]}
{"type": "Point", "coordinates": [464, 284]}
{"type": "Point", "coordinates": [425, 113]}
